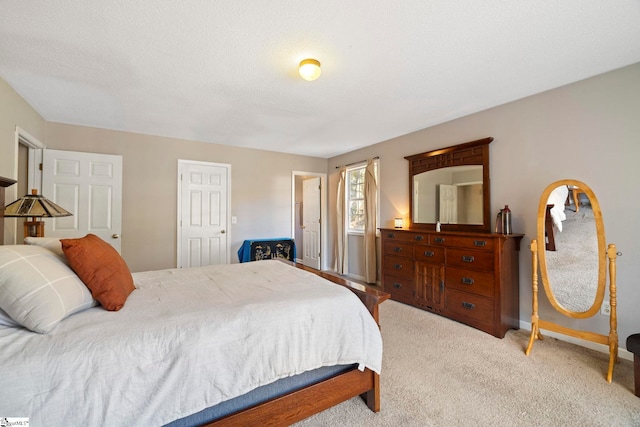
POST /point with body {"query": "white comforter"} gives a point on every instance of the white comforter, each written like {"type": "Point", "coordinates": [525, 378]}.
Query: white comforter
{"type": "Point", "coordinates": [185, 340]}
{"type": "Point", "coordinates": [557, 198]}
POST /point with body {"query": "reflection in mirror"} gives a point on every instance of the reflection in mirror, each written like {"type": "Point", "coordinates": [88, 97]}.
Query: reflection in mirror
{"type": "Point", "coordinates": [455, 192]}
{"type": "Point", "coordinates": [572, 266]}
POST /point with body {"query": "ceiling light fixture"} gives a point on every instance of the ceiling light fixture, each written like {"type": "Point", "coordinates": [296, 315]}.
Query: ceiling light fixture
{"type": "Point", "coordinates": [310, 69]}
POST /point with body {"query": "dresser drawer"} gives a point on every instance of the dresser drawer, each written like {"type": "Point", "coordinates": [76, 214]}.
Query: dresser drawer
{"type": "Point", "coordinates": [475, 282]}
{"type": "Point", "coordinates": [465, 258]}
{"type": "Point", "coordinates": [405, 236]}
{"type": "Point", "coordinates": [469, 305]}
{"type": "Point", "coordinates": [398, 266]}
{"type": "Point", "coordinates": [398, 249]}
{"type": "Point", "coordinates": [479, 243]}
{"type": "Point", "coordinates": [398, 286]}
{"type": "Point", "coordinates": [432, 254]}
{"type": "Point", "coordinates": [449, 240]}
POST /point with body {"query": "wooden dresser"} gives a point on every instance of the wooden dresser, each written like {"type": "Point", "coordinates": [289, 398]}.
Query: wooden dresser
{"type": "Point", "coordinates": [469, 277]}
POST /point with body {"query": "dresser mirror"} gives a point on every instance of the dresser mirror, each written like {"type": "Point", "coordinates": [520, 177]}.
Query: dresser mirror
{"type": "Point", "coordinates": [451, 185]}
{"type": "Point", "coordinates": [571, 254]}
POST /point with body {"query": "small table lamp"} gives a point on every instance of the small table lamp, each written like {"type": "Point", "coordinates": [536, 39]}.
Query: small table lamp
{"type": "Point", "coordinates": [34, 206]}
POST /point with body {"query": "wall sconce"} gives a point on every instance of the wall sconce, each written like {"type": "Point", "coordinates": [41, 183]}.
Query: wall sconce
{"type": "Point", "coordinates": [310, 69]}
{"type": "Point", "coordinates": [35, 207]}
{"type": "Point", "coordinates": [397, 223]}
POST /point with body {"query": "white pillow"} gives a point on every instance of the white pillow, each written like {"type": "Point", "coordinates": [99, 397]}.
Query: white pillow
{"type": "Point", "coordinates": [5, 320]}
{"type": "Point", "coordinates": [37, 289]}
{"type": "Point", "coordinates": [51, 243]}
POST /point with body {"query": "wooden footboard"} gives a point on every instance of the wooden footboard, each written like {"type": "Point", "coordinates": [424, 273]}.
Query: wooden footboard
{"type": "Point", "coordinates": [300, 404]}
{"type": "Point", "coordinates": [549, 231]}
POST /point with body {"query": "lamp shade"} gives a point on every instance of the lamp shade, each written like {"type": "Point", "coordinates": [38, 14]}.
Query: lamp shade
{"type": "Point", "coordinates": [397, 223]}
{"type": "Point", "coordinates": [310, 69]}
{"type": "Point", "coordinates": [34, 205]}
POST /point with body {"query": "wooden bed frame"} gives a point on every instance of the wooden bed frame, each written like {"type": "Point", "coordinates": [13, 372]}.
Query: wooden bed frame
{"type": "Point", "coordinates": [303, 403]}
{"type": "Point", "coordinates": [550, 244]}
{"type": "Point", "coordinates": [300, 404]}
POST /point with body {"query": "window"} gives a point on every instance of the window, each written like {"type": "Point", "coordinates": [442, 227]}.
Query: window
{"type": "Point", "coordinates": [355, 197]}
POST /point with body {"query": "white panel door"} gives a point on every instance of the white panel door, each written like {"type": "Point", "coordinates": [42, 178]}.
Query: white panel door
{"type": "Point", "coordinates": [311, 222]}
{"type": "Point", "coordinates": [202, 214]}
{"type": "Point", "coordinates": [448, 204]}
{"type": "Point", "coordinates": [88, 185]}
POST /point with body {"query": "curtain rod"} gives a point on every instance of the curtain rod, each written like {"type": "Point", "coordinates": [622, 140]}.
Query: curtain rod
{"type": "Point", "coordinates": [355, 163]}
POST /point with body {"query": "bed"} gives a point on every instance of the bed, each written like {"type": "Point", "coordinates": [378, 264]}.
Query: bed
{"type": "Point", "coordinates": [555, 214]}
{"type": "Point", "coordinates": [187, 342]}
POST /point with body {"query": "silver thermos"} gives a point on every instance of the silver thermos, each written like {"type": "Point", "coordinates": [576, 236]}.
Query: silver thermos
{"type": "Point", "coordinates": [503, 221]}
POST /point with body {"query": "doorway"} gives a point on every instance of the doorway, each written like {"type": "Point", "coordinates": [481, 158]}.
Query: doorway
{"type": "Point", "coordinates": [309, 218]}
{"type": "Point", "coordinates": [28, 173]}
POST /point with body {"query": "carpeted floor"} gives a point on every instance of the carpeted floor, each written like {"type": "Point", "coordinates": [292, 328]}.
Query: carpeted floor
{"type": "Point", "coordinates": [573, 267]}
{"type": "Point", "coordinates": [437, 372]}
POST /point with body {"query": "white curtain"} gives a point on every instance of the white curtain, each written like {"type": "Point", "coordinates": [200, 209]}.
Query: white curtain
{"type": "Point", "coordinates": [341, 238]}
{"type": "Point", "coordinates": [370, 225]}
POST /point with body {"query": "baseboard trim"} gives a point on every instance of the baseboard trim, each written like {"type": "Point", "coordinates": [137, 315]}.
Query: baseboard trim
{"type": "Point", "coordinates": [622, 352]}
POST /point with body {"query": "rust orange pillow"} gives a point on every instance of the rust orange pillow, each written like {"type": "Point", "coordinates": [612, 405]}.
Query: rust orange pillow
{"type": "Point", "coordinates": [101, 268]}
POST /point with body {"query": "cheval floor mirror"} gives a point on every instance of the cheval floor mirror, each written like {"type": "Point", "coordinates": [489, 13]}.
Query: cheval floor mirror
{"type": "Point", "coordinates": [571, 254]}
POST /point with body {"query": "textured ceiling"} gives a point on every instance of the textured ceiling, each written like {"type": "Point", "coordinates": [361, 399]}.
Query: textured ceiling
{"type": "Point", "coordinates": [225, 71]}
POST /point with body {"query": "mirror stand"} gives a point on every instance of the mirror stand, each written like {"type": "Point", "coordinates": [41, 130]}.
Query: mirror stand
{"type": "Point", "coordinates": [536, 323]}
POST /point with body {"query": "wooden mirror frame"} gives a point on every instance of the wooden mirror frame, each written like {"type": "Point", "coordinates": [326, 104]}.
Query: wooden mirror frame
{"type": "Point", "coordinates": [602, 250]}
{"type": "Point", "coordinates": [539, 259]}
{"type": "Point", "coordinates": [469, 153]}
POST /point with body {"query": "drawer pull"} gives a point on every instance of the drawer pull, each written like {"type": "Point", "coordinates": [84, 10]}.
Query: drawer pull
{"type": "Point", "coordinates": [468, 305]}
{"type": "Point", "coordinates": [397, 249]}
{"type": "Point", "coordinates": [419, 238]}
{"type": "Point", "coordinates": [397, 285]}
{"type": "Point", "coordinates": [467, 258]}
{"type": "Point", "coordinates": [397, 266]}
{"type": "Point", "coordinates": [439, 239]}
{"type": "Point", "coordinates": [467, 280]}
{"type": "Point", "coordinates": [391, 235]}
{"type": "Point", "coordinates": [480, 243]}
{"type": "Point", "coordinates": [429, 253]}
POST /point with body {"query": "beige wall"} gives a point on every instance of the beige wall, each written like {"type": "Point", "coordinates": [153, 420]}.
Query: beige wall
{"type": "Point", "coordinates": [260, 181]}
{"type": "Point", "coordinates": [14, 111]}
{"type": "Point", "coordinates": [589, 131]}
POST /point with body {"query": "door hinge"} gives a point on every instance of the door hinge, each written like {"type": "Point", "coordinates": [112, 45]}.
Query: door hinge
{"type": "Point", "coordinates": [40, 166]}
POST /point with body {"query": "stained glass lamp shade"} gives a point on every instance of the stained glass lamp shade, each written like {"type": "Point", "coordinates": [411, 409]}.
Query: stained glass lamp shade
{"type": "Point", "coordinates": [34, 206]}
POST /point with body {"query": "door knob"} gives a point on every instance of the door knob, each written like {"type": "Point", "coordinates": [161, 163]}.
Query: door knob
{"type": "Point", "coordinates": [222, 231]}
{"type": "Point", "coordinates": [115, 236]}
